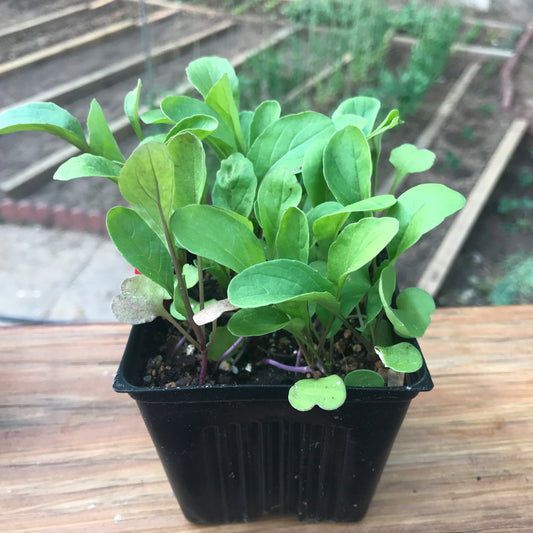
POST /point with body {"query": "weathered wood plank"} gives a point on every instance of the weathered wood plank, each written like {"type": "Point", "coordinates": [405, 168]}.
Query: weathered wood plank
{"type": "Point", "coordinates": [76, 456]}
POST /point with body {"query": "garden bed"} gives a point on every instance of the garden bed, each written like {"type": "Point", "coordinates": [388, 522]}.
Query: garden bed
{"type": "Point", "coordinates": [496, 265]}
{"type": "Point", "coordinates": [465, 141]}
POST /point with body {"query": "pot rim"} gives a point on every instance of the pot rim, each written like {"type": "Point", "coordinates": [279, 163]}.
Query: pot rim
{"type": "Point", "coordinates": [416, 382]}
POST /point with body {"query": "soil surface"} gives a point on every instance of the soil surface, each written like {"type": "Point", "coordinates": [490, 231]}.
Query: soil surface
{"type": "Point", "coordinates": [177, 363]}
{"type": "Point", "coordinates": [463, 147]}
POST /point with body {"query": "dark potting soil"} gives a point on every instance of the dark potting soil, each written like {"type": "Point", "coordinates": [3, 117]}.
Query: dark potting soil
{"type": "Point", "coordinates": [175, 364]}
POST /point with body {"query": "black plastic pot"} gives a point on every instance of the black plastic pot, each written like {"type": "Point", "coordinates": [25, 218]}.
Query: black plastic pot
{"type": "Point", "coordinates": [233, 453]}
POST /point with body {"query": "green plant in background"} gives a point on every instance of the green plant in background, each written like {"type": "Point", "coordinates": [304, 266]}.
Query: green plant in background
{"type": "Point", "coordinates": [291, 228]}
{"type": "Point", "coordinates": [452, 161]}
{"type": "Point", "coordinates": [467, 133]}
{"type": "Point", "coordinates": [516, 285]}
{"type": "Point", "coordinates": [473, 33]}
{"type": "Point", "coordinates": [525, 176]}
{"type": "Point", "coordinates": [520, 210]}
{"type": "Point", "coordinates": [436, 30]}
{"type": "Point", "coordinates": [487, 109]}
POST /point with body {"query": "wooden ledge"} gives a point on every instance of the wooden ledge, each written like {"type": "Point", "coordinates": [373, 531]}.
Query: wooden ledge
{"type": "Point", "coordinates": [77, 457]}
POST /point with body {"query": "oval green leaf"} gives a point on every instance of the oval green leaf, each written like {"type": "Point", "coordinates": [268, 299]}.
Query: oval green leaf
{"type": "Point", "coordinates": [190, 172]}
{"type": "Point", "coordinates": [277, 281]}
{"type": "Point", "coordinates": [358, 244]}
{"type": "Point", "coordinates": [285, 141]}
{"type": "Point", "coordinates": [232, 245]}
{"type": "Point", "coordinates": [328, 393]}
{"type": "Point", "coordinates": [278, 191]}
{"type": "Point", "coordinates": [361, 106]}
{"type": "Point", "coordinates": [348, 165]}
{"type": "Point", "coordinates": [363, 378]}
{"type": "Point", "coordinates": [235, 185]}
{"type": "Point", "coordinates": [401, 357]}
{"type": "Point", "coordinates": [147, 182]}
{"type": "Point", "coordinates": [140, 246]}
{"type": "Point", "coordinates": [257, 321]}
{"type": "Point", "coordinates": [47, 117]}
{"type": "Point", "coordinates": [419, 210]}
{"type": "Point", "coordinates": [292, 240]}
{"type": "Point", "coordinates": [88, 165]}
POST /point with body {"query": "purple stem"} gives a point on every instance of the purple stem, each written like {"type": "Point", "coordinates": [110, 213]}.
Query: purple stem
{"type": "Point", "coordinates": [229, 350]}
{"type": "Point", "coordinates": [178, 346]}
{"type": "Point", "coordinates": [288, 368]}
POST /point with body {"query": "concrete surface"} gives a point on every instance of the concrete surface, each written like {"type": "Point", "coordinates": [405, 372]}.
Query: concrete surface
{"type": "Point", "coordinates": [50, 274]}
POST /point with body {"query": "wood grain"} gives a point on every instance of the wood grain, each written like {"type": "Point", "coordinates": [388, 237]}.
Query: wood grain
{"type": "Point", "coordinates": [75, 456]}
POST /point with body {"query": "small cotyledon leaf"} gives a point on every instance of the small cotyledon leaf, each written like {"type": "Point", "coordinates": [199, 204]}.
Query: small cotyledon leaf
{"type": "Point", "coordinates": [328, 393]}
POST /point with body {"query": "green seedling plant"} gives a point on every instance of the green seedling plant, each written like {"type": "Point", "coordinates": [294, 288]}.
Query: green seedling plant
{"type": "Point", "coordinates": [291, 227]}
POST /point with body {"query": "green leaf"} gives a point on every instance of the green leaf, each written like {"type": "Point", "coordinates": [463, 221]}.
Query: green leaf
{"type": "Point", "coordinates": [258, 321]}
{"type": "Point", "coordinates": [155, 116]}
{"type": "Point", "coordinates": [278, 281]}
{"type": "Point", "coordinates": [363, 378]}
{"type": "Point", "coordinates": [131, 109]}
{"type": "Point", "coordinates": [328, 393]}
{"type": "Point", "coordinates": [407, 159]}
{"type": "Point", "coordinates": [140, 301]}
{"type": "Point", "coordinates": [87, 165]}
{"type": "Point", "coordinates": [285, 141]}
{"type": "Point", "coordinates": [401, 357]}
{"type": "Point", "coordinates": [357, 245]}
{"type": "Point", "coordinates": [190, 275]}
{"type": "Point", "coordinates": [292, 239]}
{"type": "Point", "coordinates": [412, 314]}
{"type": "Point", "coordinates": [419, 210]}
{"type": "Point", "coordinates": [101, 139]}
{"type": "Point", "coordinates": [233, 244]}
{"type": "Point", "coordinates": [278, 191]}
{"type": "Point", "coordinates": [235, 185]}
{"type": "Point", "coordinates": [190, 172]}
{"type": "Point", "coordinates": [313, 174]}
{"type": "Point", "coordinates": [265, 114]}
{"type": "Point", "coordinates": [354, 289]}
{"type": "Point", "coordinates": [348, 165]}
{"type": "Point", "coordinates": [147, 183]}
{"type": "Point", "coordinates": [327, 226]}
{"type": "Point", "coordinates": [178, 108]}
{"type": "Point", "coordinates": [218, 346]}
{"type": "Point", "coordinates": [204, 73]}
{"type": "Point", "coordinates": [47, 117]}
{"type": "Point", "coordinates": [138, 244]}
{"type": "Point", "coordinates": [199, 125]}
{"type": "Point", "coordinates": [220, 98]}
{"type": "Point", "coordinates": [391, 121]}
{"type": "Point", "coordinates": [414, 306]}
{"type": "Point", "coordinates": [245, 118]}
{"type": "Point", "coordinates": [341, 121]}
{"type": "Point", "coordinates": [362, 106]}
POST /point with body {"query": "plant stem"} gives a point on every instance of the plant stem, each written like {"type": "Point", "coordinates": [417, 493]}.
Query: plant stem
{"type": "Point", "coordinates": [288, 368]}
{"type": "Point", "coordinates": [182, 330]}
{"type": "Point", "coordinates": [369, 348]}
{"type": "Point", "coordinates": [229, 350]}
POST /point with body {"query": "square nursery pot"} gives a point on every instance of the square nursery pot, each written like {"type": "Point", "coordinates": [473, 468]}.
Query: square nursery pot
{"type": "Point", "coordinates": [233, 453]}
